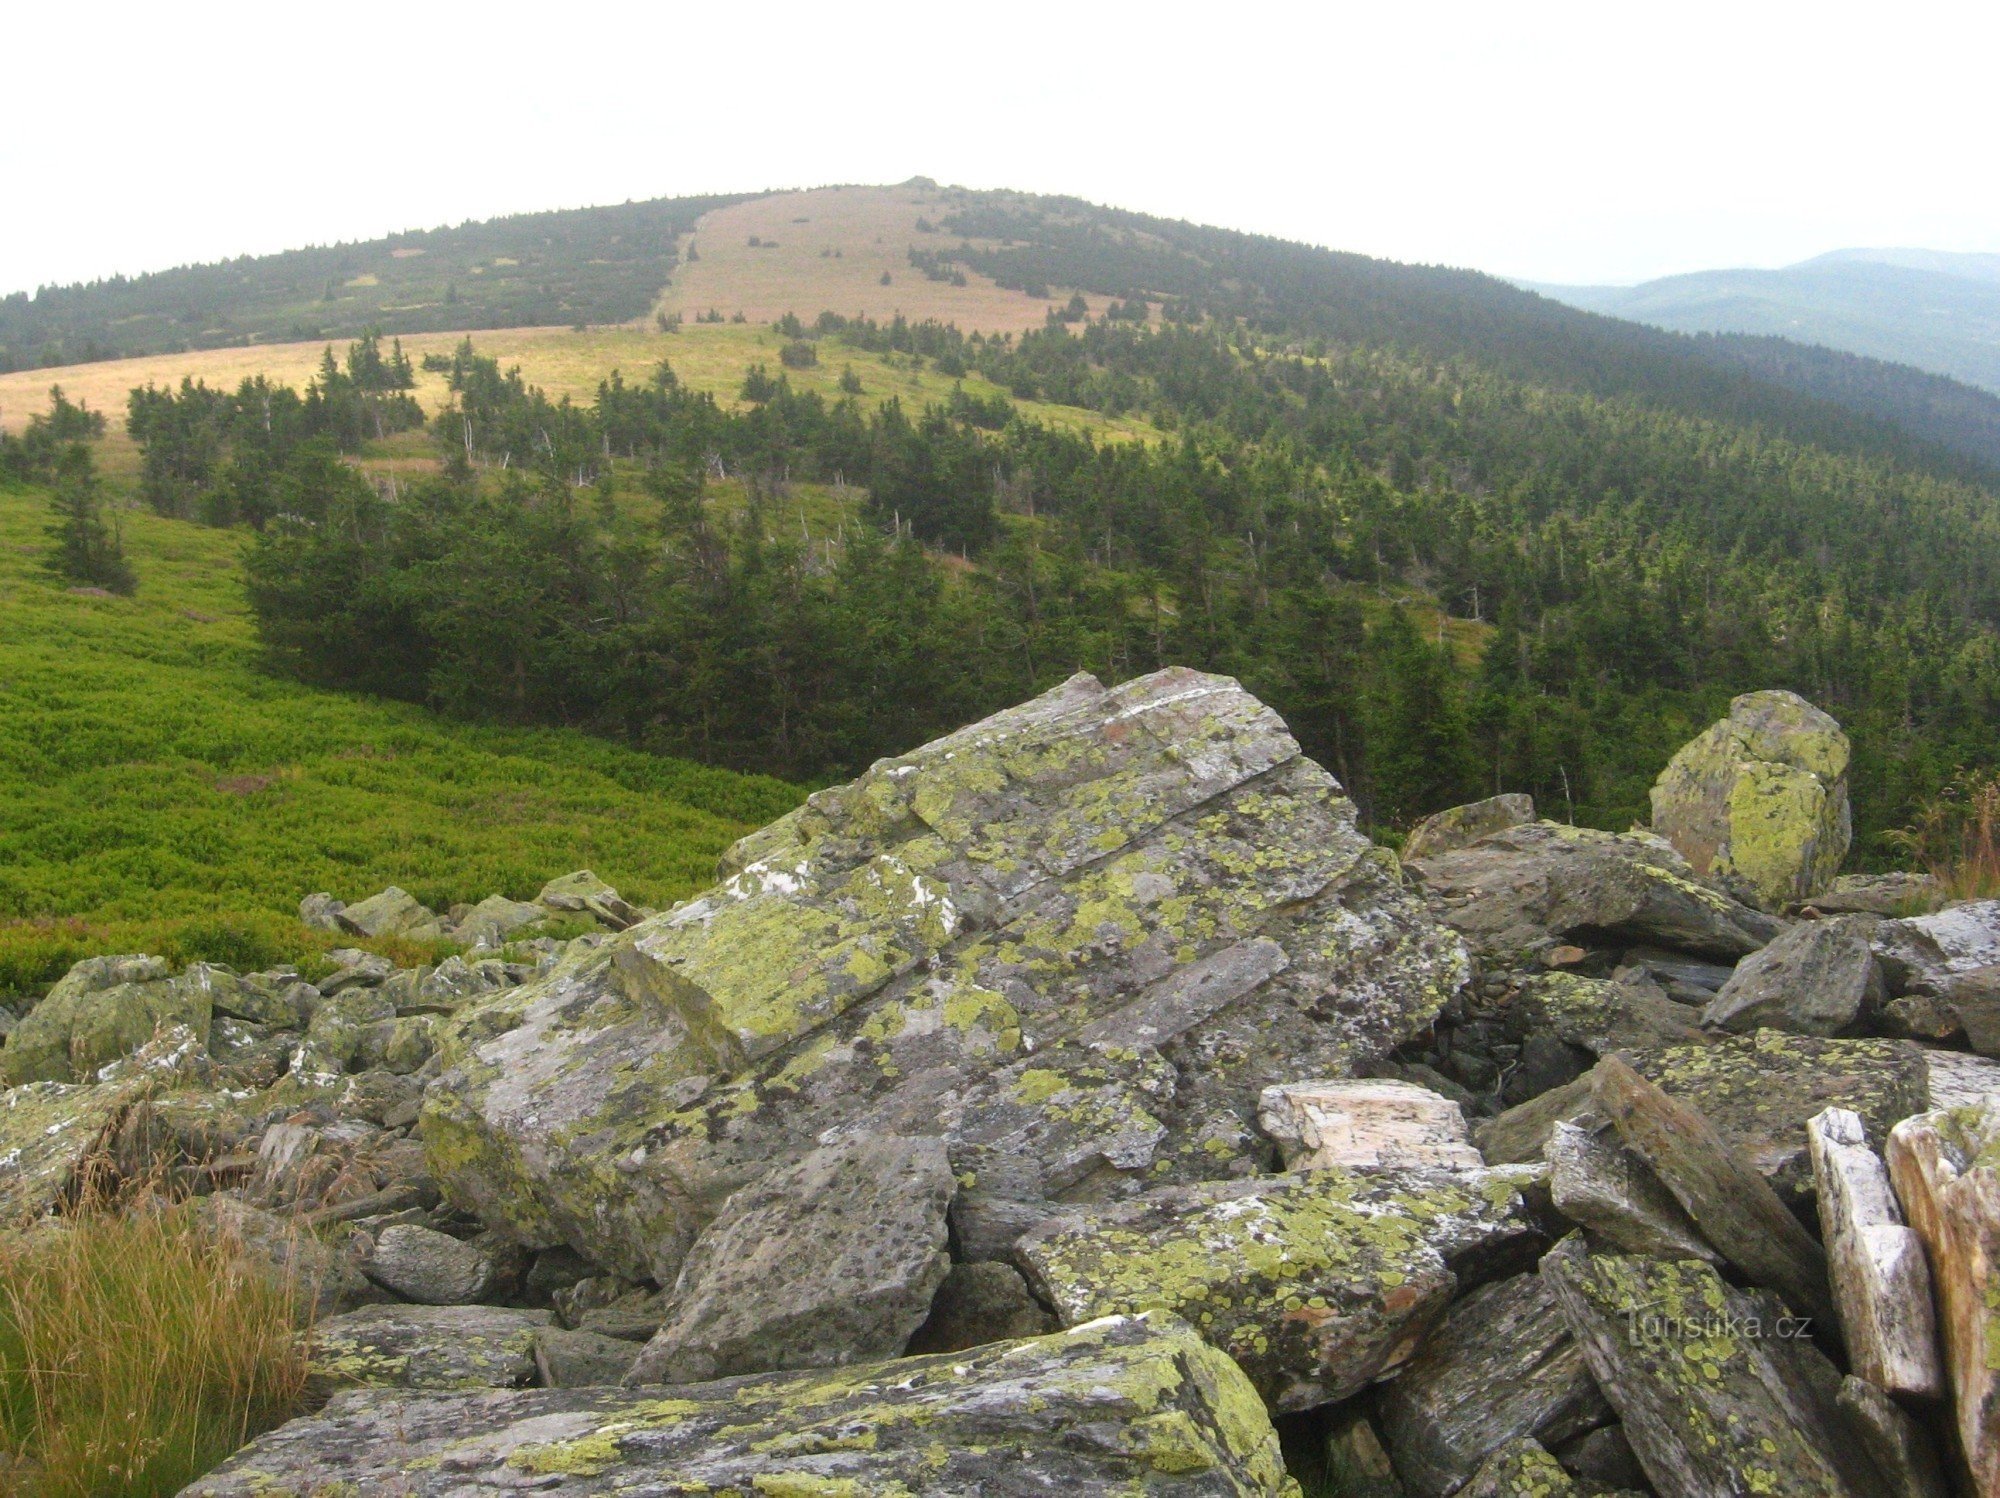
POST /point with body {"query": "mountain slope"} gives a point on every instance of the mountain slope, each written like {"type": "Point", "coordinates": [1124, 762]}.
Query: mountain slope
{"type": "Point", "coordinates": [157, 789]}
{"type": "Point", "coordinates": [1937, 313]}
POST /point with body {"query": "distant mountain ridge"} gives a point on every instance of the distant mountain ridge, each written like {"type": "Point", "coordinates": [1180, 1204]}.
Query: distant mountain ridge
{"type": "Point", "coordinates": [1935, 310]}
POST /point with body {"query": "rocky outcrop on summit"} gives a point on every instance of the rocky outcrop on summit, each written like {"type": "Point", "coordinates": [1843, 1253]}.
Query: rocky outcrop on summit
{"type": "Point", "coordinates": [1075, 940]}
{"type": "Point", "coordinates": [1126, 1405]}
{"type": "Point", "coordinates": [1759, 799]}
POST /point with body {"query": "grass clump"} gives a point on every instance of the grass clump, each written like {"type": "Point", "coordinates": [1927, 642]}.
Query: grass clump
{"type": "Point", "coordinates": [1956, 838]}
{"type": "Point", "coordinates": [137, 1350]}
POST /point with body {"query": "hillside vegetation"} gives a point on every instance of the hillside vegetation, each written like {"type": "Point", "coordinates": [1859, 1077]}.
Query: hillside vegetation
{"type": "Point", "coordinates": [584, 265]}
{"type": "Point", "coordinates": [159, 792]}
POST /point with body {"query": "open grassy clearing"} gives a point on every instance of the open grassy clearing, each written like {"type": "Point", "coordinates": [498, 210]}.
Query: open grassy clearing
{"type": "Point", "coordinates": [793, 267]}
{"type": "Point", "coordinates": [158, 792]}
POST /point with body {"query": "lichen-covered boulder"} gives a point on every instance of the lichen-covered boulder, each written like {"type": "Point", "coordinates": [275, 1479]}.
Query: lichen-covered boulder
{"type": "Point", "coordinates": [1516, 893]}
{"type": "Point", "coordinates": [583, 893]}
{"type": "Point", "coordinates": [426, 1347]}
{"type": "Point", "coordinates": [429, 1267]}
{"type": "Point", "coordinates": [1816, 979]}
{"type": "Point", "coordinates": [49, 1133]}
{"type": "Point", "coordinates": [1076, 941]}
{"type": "Point", "coordinates": [1461, 826]}
{"type": "Point", "coordinates": [393, 912]}
{"type": "Point", "coordinates": [1601, 1014]}
{"type": "Point", "coordinates": [1928, 954]}
{"type": "Point", "coordinates": [1317, 1283]}
{"type": "Point", "coordinates": [105, 1008]}
{"type": "Point", "coordinates": [830, 1260]}
{"type": "Point", "coordinates": [495, 920]}
{"type": "Point", "coordinates": [1124, 1406]}
{"type": "Point", "coordinates": [1759, 799]}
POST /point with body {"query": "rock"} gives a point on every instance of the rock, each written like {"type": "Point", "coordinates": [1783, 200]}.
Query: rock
{"type": "Point", "coordinates": [1926, 953]}
{"type": "Point", "coordinates": [429, 1267]}
{"type": "Point", "coordinates": [1946, 1170]}
{"type": "Point", "coordinates": [494, 920]}
{"type": "Point", "coordinates": [635, 1316]}
{"type": "Point", "coordinates": [1603, 1016]}
{"type": "Point", "coordinates": [1760, 798]}
{"type": "Point", "coordinates": [1316, 1283]}
{"type": "Point", "coordinates": [104, 1009]}
{"type": "Point", "coordinates": [1512, 894]}
{"type": "Point", "coordinates": [980, 1303]}
{"type": "Point", "coordinates": [321, 912]}
{"type": "Point", "coordinates": [1881, 1287]}
{"type": "Point", "coordinates": [580, 1360]}
{"type": "Point", "coordinates": [284, 1251]}
{"type": "Point", "coordinates": [1521, 1469]}
{"type": "Point", "coordinates": [1974, 1001]}
{"type": "Point", "coordinates": [1903, 1451]}
{"type": "Point", "coordinates": [1501, 1366]}
{"type": "Point", "coordinates": [1077, 940]}
{"type": "Point", "coordinates": [393, 912]}
{"type": "Point", "coordinates": [830, 1260]}
{"type": "Point", "coordinates": [1602, 1459]}
{"type": "Point", "coordinates": [1678, 968]}
{"type": "Point", "coordinates": [1365, 1122]}
{"type": "Point", "coordinates": [426, 1347]}
{"type": "Point", "coordinates": [1126, 1406]}
{"type": "Point", "coordinates": [1816, 979]}
{"type": "Point", "coordinates": [1757, 1090]}
{"type": "Point", "coordinates": [1598, 1184]}
{"type": "Point", "coordinates": [1957, 1080]}
{"type": "Point", "coordinates": [1878, 894]}
{"type": "Point", "coordinates": [398, 1046]}
{"type": "Point", "coordinates": [1356, 1464]}
{"type": "Point", "coordinates": [1709, 1406]}
{"type": "Point", "coordinates": [1461, 826]}
{"type": "Point", "coordinates": [1919, 1016]}
{"type": "Point", "coordinates": [1544, 1064]}
{"type": "Point", "coordinates": [355, 968]}
{"type": "Point", "coordinates": [1721, 1191]}
{"type": "Point", "coordinates": [583, 893]}
{"type": "Point", "coordinates": [50, 1133]}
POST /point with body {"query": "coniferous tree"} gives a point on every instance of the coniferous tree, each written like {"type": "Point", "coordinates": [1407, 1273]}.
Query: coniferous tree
{"type": "Point", "coordinates": [87, 548]}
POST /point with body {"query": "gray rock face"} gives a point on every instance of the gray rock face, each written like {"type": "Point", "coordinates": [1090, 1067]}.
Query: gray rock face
{"type": "Point", "coordinates": [429, 1267]}
{"type": "Point", "coordinates": [495, 920]}
{"type": "Point", "coordinates": [1317, 1283]}
{"type": "Point", "coordinates": [831, 1260]}
{"type": "Point", "coordinates": [1927, 953]}
{"type": "Point", "coordinates": [1759, 799]}
{"type": "Point", "coordinates": [1462, 826]}
{"type": "Point", "coordinates": [1501, 1366]}
{"type": "Point", "coordinates": [1816, 979]}
{"type": "Point", "coordinates": [580, 1359]}
{"type": "Point", "coordinates": [106, 1008]}
{"type": "Point", "coordinates": [1597, 1183]}
{"type": "Point", "coordinates": [284, 1251]}
{"type": "Point", "coordinates": [321, 912]}
{"type": "Point", "coordinates": [980, 1303]}
{"type": "Point", "coordinates": [427, 1347]}
{"type": "Point", "coordinates": [1604, 1015]}
{"type": "Point", "coordinates": [1878, 894]}
{"type": "Point", "coordinates": [1127, 1406]}
{"type": "Point", "coordinates": [49, 1132]}
{"type": "Point", "coordinates": [1076, 940]}
{"type": "Point", "coordinates": [1710, 1412]}
{"type": "Point", "coordinates": [1515, 893]}
{"type": "Point", "coordinates": [583, 893]}
{"type": "Point", "coordinates": [394, 912]}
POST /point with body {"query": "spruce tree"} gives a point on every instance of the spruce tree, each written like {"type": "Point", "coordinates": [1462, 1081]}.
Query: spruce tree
{"type": "Point", "coordinates": [87, 548]}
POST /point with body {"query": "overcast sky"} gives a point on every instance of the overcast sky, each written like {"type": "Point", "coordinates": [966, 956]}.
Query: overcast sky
{"type": "Point", "coordinates": [1554, 141]}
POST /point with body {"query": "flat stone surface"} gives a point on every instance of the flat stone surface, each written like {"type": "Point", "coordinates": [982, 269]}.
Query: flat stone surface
{"type": "Point", "coordinates": [1500, 1366]}
{"type": "Point", "coordinates": [832, 1260]}
{"type": "Point", "coordinates": [427, 1347]}
{"type": "Point", "coordinates": [1598, 1184]}
{"type": "Point", "coordinates": [1077, 940]}
{"type": "Point", "coordinates": [48, 1131]}
{"type": "Point", "coordinates": [429, 1267]}
{"type": "Point", "coordinates": [1515, 893]}
{"type": "Point", "coordinates": [393, 912]}
{"type": "Point", "coordinates": [1317, 1283]}
{"type": "Point", "coordinates": [1818, 978]}
{"type": "Point", "coordinates": [1461, 826]}
{"type": "Point", "coordinates": [1366, 1122]}
{"type": "Point", "coordinates": [1125, 1406]}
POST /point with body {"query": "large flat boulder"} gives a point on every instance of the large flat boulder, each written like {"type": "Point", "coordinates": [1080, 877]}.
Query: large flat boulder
{"type": "Point", "coordinates": [1517, 892]}
{"type": "Point", "coordinates": [427, 1347]}
{"type": "Point", "coordinates": [1818, 978]}
{"type": "Point", "coordinates": [1317, 1283]}
{"type": "Point", "coordinates": [1759, 799]}
{"type": "Point", "coordinates": [1123, 1406]}
{"type": "Point", "coordinates": [834, 1259]}
{"type": "Point", "coordinates": [106, 1008]}
{"type": "Point", "coordinates": [1076, 941]}
{"type": "Point", "coordinates": [49, 1134]}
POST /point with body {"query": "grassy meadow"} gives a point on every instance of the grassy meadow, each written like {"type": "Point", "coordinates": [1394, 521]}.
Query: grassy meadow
{"type": "Point", "coordinates": [159, 792]}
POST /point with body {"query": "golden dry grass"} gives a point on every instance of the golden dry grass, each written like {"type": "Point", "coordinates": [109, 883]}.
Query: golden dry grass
{"type": "Point", "coordinates": [873, 228]}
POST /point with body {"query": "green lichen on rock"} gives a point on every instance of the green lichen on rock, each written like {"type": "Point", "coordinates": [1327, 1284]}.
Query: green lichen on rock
{"type": "Point", "coordinates": [49, 1131]}
{"type": "Point", "coordinates": [1149, 881]}
{"type": "Point", "coordinates": [1315, 1283]}
{"type": "Point", "coordinates": [426, 1347]}
{"type": "Point", "coordinates": [106, 1008]}
{"type": "Point", "coordinates": [1760, 798]}
{"type": "Point", "coordinates": [1122, 1406]}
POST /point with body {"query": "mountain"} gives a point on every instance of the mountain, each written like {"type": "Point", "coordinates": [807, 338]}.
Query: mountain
{"type": "Point", "coordinates": [1935, 311]}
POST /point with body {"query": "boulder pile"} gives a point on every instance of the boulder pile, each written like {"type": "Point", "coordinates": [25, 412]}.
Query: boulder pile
{"type": "Point", "coordinates": [1077, 1102]}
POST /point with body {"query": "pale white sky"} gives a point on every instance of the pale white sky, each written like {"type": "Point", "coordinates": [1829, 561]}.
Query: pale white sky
{"type": "Point", "coordinates": [1546, 139]}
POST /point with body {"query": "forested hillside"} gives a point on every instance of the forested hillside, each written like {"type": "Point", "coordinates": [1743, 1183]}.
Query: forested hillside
{"type": "Point", "coordinates": [1465, 539]}
{"type": "Point", "coordinates": [579, 265]}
